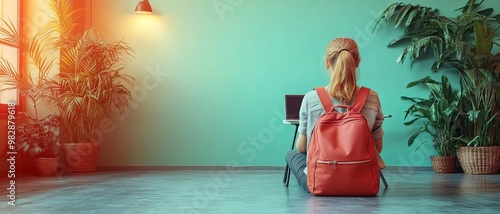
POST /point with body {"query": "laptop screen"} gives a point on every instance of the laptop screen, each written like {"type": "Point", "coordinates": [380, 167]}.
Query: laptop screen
{"type": "Point", "coordinates": [292, 106]}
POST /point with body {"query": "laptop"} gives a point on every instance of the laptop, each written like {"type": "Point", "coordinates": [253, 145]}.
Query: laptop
{"type": "Point", "coordinates": [292, 106]}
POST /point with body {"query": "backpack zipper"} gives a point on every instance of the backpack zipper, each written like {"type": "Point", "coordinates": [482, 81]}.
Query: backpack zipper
{"type": "Point", "coordinates": [334, 162]}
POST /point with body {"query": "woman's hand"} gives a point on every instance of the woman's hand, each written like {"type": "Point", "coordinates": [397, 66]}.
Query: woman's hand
{"type": "Point", "coordinates": [378, 144]}
{"type": "Point", "coordinates": [302, 143]}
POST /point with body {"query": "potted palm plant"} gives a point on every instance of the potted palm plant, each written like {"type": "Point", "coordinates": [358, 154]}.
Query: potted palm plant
{"type": "Point", "coordinates": [458, 43]}
{"type": "Point", "coordinates": [90, 86]}
{"type": "Point", "coordinates": [439, 114]}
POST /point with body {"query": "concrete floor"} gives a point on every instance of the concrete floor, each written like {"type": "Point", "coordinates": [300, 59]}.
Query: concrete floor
{"type": "Point", "coordinates": [243, 191]}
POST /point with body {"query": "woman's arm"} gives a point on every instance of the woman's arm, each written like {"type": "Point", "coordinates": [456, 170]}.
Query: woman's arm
{"type": "Point", "coordinates": [302, 143]}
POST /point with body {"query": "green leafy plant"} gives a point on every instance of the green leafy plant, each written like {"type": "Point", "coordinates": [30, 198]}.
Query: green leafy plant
{"type": "Point", "coordinates": [438, 113]}
{"type": "Point", "coordinates": [481, 105]}
{"type": "Point", "coordinates": [39, 138]}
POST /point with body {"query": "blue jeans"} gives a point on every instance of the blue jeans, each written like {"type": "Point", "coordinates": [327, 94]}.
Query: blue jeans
{"type": "Point", "coordinates": [297, 163]}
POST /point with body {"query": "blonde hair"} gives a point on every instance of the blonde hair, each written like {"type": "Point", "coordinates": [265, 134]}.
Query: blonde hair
{"type": "Point", "coordinates": [342, 57]}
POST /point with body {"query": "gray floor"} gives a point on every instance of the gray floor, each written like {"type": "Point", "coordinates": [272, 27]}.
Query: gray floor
{"type": "Point", "coordinates": [242, 191]}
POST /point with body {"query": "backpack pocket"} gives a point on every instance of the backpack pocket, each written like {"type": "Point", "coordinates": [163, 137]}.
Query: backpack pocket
{"type": "Point", "coordinates": [340, 178]}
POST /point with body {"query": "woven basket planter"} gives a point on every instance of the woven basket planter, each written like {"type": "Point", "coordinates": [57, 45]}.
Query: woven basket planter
{"type": "Point", "coordinates": [46, 166]}
{"type": "Point", "coordinates": [479, 160]}
{"type": "Point", "coordinates": [81, 157]}
{"type": "Point", "coordinates": [443, 164]}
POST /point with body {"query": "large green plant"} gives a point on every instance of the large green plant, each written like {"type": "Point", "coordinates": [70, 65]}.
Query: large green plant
{"type": "Point", "coordinates": [481, 105]}
{"type": "Point", "coordinates": [449, 38]}
{"type": "Point", "coordinates": [89, 83]}
{"type": "Point", "coordinates": [438, 114]}
{"type": "Point", "coordinates": [464, 44]}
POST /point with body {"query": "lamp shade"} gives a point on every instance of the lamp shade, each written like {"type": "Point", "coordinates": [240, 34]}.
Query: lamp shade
{"type": "Point", "coordinates": [143, 7]}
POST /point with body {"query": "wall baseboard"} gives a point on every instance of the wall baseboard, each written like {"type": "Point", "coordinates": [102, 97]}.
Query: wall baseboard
{"type": "Point", "coordinates": [407, 168]}
{"type": "Point", "coordinates": [261, 168]}
{"type": "Point", "coordinates": [167, 168]}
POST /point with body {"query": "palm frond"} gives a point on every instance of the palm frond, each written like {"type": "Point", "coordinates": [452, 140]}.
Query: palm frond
{"type": "Point", "coordinates": [404, 37]}
{"type": "Point", "coordinates": [63, 18]}
{"type": "Point", "coordinates": [486, 12]}
{"type": "Point", "coordinates": [424, 80]}
{"type": "Point", "coordinates": [402, 14]}
{"type": "Point", "coordinates": [386, 14]}
{"type": "Point", "coordinates": [471, 5]}
{"type": "Point", "coordinates": [9, 35]}
{"type": "Point", "coordinates": [419, 46]}
{"type": "Point", "coordinates": [405, 13]}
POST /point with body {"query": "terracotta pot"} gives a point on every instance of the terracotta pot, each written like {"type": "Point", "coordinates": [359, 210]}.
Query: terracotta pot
{"type": "Point", "coordinates": [443, 164]}
{"type": "Point", "coordinates": [46, 166]}
{"type": "Point", "coordinates": [479, 160]}
{"type": "Point", "coordinates": [81, 157]}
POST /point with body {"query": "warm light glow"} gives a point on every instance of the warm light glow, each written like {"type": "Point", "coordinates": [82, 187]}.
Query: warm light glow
{"type": "Point", "coordinates": [151, 25]}
{"type": "Point", "coordinates": [9, 12]}
{"type": "Point", "coordinates": [144, 7]}
{"type": "Point", "coordinates": [147, 32]}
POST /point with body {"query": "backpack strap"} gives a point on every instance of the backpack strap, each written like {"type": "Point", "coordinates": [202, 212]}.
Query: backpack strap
{"type": "Point", "coordinates": [324, 98]}
{"type": "Point", "coordinates": [360, 99]}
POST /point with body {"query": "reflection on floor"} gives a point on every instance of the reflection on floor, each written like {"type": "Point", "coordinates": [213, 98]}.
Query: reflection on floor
{"type": "Point", "coordinates": [241, 191]}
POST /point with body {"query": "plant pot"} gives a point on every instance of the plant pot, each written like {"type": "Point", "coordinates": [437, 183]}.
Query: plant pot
{"type": "Point", "coordinates": [443, 164]}
{"type": "Point", "coordinates": [479, 160]}
{"type": "Point", "coordinates": [81, 157]}
{"type": "Point", "coordinates": [46, 166]}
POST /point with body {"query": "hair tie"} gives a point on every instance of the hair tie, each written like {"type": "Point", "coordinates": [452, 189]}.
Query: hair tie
{"type": "Point", "coordinates": [334, 55]}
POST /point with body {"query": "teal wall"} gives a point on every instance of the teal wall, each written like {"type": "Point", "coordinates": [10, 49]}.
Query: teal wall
{"type": "Point", "coordinates": [210, 83]}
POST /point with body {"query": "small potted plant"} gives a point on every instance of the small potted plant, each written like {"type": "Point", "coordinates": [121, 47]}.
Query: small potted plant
{"type": "Point", "coordinates": [40, 139]}
{"type": "Point", "coordinates": [439, 114]}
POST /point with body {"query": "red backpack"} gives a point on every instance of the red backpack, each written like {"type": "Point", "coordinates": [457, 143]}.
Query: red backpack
{"type": "Point", "coordinates": [342, 159]}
